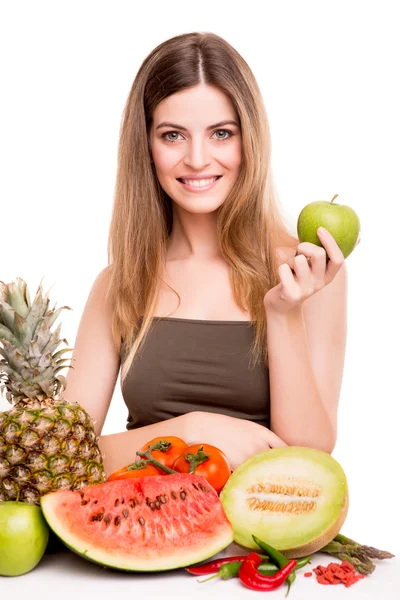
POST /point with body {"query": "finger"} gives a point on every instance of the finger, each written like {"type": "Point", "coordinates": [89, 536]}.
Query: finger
{"type": "Point", "coordinates": [329, 243]}
{"type": "Point", "coordinates": [333, 251]}
{"type": "Point", "coordinates": [289, 285]}
{"type": "Point", "coordinates": [303, 273]}
{"type": "Point", "coordinates": [316, 258]}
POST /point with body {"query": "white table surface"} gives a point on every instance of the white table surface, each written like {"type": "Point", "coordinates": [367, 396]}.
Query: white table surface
{"type": "Point", "coordinates": [67, 576]}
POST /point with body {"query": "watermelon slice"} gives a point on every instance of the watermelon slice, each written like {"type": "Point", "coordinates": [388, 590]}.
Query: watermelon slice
{"type": "Point", "coordinates": [143, 524]}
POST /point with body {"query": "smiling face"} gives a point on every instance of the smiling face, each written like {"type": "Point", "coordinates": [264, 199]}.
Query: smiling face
{"type": "Point", "coordinates": [196, 142]}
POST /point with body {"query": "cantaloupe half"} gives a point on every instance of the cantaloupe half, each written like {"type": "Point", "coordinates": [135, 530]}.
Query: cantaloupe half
{"type": "Point", "coordinates": [294, 498]}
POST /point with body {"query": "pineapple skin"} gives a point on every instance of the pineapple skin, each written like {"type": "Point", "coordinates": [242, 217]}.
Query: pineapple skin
{"type": "Point", "coordinates": [47, 445]}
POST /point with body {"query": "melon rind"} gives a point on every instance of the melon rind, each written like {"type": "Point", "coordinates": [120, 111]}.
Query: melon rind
{"type": "Point", "coordinates": [294, 535]}
{"type": "Point", "coordinates": [201, 535]}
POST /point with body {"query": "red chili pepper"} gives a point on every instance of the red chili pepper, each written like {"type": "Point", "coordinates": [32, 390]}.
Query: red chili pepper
{"type": "Point", "coordinates": [253, 579]}
{"type": "Point", "coordinates": [214, 565]}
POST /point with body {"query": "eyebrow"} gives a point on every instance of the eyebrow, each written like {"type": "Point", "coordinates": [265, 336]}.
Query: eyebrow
{"type": "Point", "coordinates": [175, 126]}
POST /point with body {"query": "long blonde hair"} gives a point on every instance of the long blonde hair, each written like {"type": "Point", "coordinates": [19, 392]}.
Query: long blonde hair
{"type": "Point", "coordinates": [250, 224]}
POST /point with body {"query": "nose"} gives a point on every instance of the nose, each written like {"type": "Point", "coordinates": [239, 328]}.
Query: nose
{"type": "Point", "coordinates": [198, 154]}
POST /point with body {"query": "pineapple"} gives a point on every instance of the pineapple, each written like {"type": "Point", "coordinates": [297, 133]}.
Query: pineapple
{"type": "Point", "coordinates": [46, 442]}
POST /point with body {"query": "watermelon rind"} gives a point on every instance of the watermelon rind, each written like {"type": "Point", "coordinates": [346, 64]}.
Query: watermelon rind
{"type": "Point", "coordinates": [193, 529]}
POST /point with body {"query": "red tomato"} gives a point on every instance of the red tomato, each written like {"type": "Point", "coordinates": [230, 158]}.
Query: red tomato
{"type": "Point", "coordinates": [168, 457]}
{"type": "Point", "coordinates": [216, 469]}
{"type": "Point", "coordinates": [123, 473]}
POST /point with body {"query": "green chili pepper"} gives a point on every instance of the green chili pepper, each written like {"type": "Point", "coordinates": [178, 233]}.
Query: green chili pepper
{"type": "Point", "coordinates": [226, 571]}
{"type": "Point", "coordinates": [280, 560]}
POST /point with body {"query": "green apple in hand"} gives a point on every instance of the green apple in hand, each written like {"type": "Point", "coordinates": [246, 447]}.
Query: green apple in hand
{"type": "Point", "coordinates": [24, 534]}
{"type": "Point", "coordinates": [341, 221]}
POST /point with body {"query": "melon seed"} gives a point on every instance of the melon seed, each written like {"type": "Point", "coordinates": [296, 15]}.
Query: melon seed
{"type": "Point", "coordinates": [116, 502]}
{"type": "Point", "coordinates": [97, 517]}
{"type": "Point", "coordinates": [183, 495]}
{"type": "Point", "coordinates": [195, 486]}
{"type": "Point", "coordinates": [299, 507]}
{"type": "Point", "coordinates": [125, 513]}
{"type": "Point", "coordinates": [83, 502]}
{"type": "Point", "coordinates": [163, 499]}
{"type": "Point", "coordinates": [107, 519]}
{"type": "Point", "coordinates": [173, 495]}
{"type": "Point", "coordinates": [152, 505]}
{"type": "Point", "coordinates": [158, 504]}
{"type": "Point", "coordinates": [117, 520]}
{"type": "Point", "coordinates": [142, 521]}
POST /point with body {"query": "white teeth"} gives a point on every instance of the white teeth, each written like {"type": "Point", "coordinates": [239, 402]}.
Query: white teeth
{"type": "Point", "coordinates": [199, 182]}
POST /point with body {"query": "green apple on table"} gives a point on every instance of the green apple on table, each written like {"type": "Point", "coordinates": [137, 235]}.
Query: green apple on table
{"type": "Point", "coordinates": [341, 221]}
{"type": "Point", "coordinates": [24, 534]}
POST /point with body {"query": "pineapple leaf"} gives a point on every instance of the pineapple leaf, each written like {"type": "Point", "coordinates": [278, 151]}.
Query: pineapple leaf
{"type": "Point", "coordinates": [24, 292]}
{"type": "Point", "coordinates": [45, 361]}
{"type": "Point", "coordinates": [58, 354]}
{"type": "Point", "coordinates": [59, 369]}
{"type": "Point", "coordinates": [15, 356]}
{"type": "Point", "coordinates": [54, 316]}
{"type": "Point", "coordinates": [17, 300]}
{"type": "Point", "coordinates": [20, 327]}
{"type": "Point", "coordinates": [7, 315]}
{"type": "Point", "coordinates": [34, 350]}
{"type": "Point", "coordinates": [6, 335]}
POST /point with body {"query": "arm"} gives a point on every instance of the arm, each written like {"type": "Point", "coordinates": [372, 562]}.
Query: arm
{"type": "Point", "coordinates": [306, 355]}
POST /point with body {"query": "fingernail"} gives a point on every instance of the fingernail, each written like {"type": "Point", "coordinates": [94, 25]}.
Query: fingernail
{"type": "Point", "coordinates": [321, 230]}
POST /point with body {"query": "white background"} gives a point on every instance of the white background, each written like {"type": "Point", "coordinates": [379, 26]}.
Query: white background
{"type": "Point", "coordinates": [328, 74]}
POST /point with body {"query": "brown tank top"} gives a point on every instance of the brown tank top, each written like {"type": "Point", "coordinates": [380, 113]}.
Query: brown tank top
{"type": "Point", "coordinates": [190, 365]}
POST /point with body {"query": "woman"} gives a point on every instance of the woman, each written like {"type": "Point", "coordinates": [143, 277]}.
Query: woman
{"type": "Point", "coordinates": [245, 285]}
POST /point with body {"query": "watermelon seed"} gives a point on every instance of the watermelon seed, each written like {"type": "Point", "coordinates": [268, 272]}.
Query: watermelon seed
{"type": "Point", "coordinates": [183, 495]}
{"type": "Point", "coordinates": [83, 502]}
{"type": "Point", "coordinates": [116, 502]}
{"type": "Point", "coordinates": [158, 504]}
{"type": "Point", "coordinates": [117, 520]}
{"type": "Point", "coordinates": [142, 521]}
{"type": "Point", "coordinates": [163, 499]}
{"type": "Point", "coordinates": [173, 495]}
{"type": "Point", "coordinates": [132, 503]}
{"type": "Point", "coordinates": [95, 502]}
{"type": "Point", "coordinates": [152, 506]}
{"type": "Point", "coordinates": [195, 486]}
{"type": "Point", "coordinates": [123, 501]}
{"type": "Point", "coordinates": [125, 513]}
{"type": "Point", "coordinates": [107, 519]}
{"type": "Point", "coordinates": [96, 517]}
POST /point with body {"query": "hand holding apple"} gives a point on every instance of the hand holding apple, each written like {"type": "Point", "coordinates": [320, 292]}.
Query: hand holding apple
{"type": "Point", "coordinates": [328, 233]}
